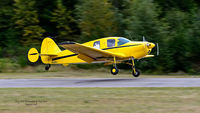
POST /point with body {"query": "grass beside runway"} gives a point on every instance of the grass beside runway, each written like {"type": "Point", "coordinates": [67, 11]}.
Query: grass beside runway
{"type": "Point", "coordinates": [84, 74]}
{"type": "Point", "coordinates": [58, 71]}
{"type": "Point", "coordinates": [99, 100]}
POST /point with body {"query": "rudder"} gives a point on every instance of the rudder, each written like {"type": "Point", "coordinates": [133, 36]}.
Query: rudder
{"type": "Point", "coordinates": [48, 49]}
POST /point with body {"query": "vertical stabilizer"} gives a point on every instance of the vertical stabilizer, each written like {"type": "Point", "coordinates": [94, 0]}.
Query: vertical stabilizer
{"type": "Point", "coordinates": [48, 49]}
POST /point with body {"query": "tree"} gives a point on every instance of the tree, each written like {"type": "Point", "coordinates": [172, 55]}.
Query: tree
{"type": "Point", "coordinates": [5, 14]}
{"type": "Point", "coordinates": [142, 20]}
{"type": "Point", "coordinates": [63, 20]}
{"type": "Point", "coordinates": [184, 5]}
{"type": "Point", "coordinates": [118, 8]}
{"type": "Point", "coordinates": [194, 42]}
{"type": "Point", "coordinates": [44, 12]}
{"type": "Point", "coordinates": [27, 22]}
{"type": "Point", "coordinates": [177, 44]}
{"type": "Point", "coordinates": [95, 19]}
{"type": "Point", "coordinates": [8, 35]}
{"type": "Point", "coordinates": [195, 36]}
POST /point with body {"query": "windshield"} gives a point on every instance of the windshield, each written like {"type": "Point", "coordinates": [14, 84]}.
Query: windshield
{"type": "Point", "coordinates": [122, 41]}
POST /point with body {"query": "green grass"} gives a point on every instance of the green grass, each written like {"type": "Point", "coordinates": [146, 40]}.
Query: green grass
{"type": "Point", "coordinates": [99, 100]}
{"type": "Point", "coordinates": [58, 71]}
{"type": "Point", "coordinates": [84, 74]}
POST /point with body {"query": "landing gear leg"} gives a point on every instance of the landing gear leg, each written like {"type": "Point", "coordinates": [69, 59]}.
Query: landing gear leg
{"type": "Point", "coordinates": [135, 72]}
{"type": "Point", "coordinates": [47, 67]}
{"type": "Point", "coordinates": [114, 69]}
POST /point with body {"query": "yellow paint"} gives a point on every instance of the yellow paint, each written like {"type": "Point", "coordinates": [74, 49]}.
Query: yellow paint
{"type": "Point", "coordinates": [51, 53]}
{"type": "Point", "coordinates": [85, 58]}
{"type": "Point", "coordinates": [65, 64]}
{"type": "Point", "coordinates": [33, 55]}
{"type": "Point", "coordinates": [48, 49]}
{"type": "Point", "coordinates": [113, 70]}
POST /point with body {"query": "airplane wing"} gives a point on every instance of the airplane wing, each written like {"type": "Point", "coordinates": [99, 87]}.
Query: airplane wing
{"type": "Point", "coordinates": [87, 53]}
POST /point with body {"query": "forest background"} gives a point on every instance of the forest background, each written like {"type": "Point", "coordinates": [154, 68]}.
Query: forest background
{"type": "Point", "coordinates": [174, 24]}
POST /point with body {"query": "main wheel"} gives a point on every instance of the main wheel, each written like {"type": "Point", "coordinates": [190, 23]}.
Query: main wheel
{"type": "Point", "coordinates": [47, 67]}
{"type": "Point", "coordinates": [136, 74]}
{"type": "Point", "coordinates": [114, 70]}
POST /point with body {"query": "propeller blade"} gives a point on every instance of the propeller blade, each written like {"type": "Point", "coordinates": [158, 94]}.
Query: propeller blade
{"type": "Point", "coordinates": [157, 49]}
{"type": "Point", "coordinates": [144, 40]}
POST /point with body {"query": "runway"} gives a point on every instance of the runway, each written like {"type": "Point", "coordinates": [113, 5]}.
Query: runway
{"type": "Point", "coordinates": [101, 82]}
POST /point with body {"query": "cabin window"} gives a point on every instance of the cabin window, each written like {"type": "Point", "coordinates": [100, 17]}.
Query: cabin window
{"type": "Point", "coordinates": [97, 45]}
{"type": "Point", "coordinates": [122, 41]}
{"type": "Point", "coordinates": [111, 42]}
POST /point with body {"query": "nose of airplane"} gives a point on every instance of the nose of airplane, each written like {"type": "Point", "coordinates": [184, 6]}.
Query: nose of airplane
{"type": "Point", "coordinates": [150, 45]}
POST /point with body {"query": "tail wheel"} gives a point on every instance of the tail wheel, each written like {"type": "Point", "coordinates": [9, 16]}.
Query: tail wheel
{"type": "Point", "coordinates": [47, 67]}
{"type": "Point", "coordinates": [136, 73]}
{"type": "Point", "coordinates": [114, 70]}
{"type": "Point", "coordinates": [33, 55]}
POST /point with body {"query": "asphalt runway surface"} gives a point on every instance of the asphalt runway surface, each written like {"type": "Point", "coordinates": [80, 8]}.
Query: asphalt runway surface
{"type": "Point", "coordinates": [101, 82]}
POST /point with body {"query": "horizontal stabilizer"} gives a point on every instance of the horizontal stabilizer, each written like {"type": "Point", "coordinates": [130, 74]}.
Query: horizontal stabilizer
{"type": "Point", "coordinates": [33, 55]}
{"type": "Point", "coordinates": [48, 54]}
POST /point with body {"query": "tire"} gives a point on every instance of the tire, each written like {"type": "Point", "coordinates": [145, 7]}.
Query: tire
{"type": "Point", "coordinates": [137, 74]}
{"type": "Point", "coordinates": [47, 67]}
{"type": "Point", "coordinates": [114, 70]}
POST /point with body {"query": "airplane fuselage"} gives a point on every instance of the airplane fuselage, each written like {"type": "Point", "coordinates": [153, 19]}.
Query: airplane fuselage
{"type": "Point", "coordinates": [119, 45]}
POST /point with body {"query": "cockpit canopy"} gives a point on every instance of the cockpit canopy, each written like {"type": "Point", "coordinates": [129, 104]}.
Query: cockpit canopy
{"type": "Point", "coordinates": [111, 42]}
{"type": "Point", "coordinates": [122, 41]}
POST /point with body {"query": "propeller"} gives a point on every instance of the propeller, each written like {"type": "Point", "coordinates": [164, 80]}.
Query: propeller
{"type": "Point", "coordinates": [144, 40]}
{"type": "Point", "coordinates": [157, 46]}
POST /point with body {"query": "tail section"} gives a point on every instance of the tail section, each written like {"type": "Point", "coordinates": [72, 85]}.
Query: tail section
{"type": "Point", "coordinates": [48, 49]}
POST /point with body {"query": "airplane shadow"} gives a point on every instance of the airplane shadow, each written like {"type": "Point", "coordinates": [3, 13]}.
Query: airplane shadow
{"type": "Point", "coordinates": [105, 80]}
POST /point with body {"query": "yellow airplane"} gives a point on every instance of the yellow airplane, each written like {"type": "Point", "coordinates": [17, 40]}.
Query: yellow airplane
{"type": "Point", "coordinates": [110, 50]}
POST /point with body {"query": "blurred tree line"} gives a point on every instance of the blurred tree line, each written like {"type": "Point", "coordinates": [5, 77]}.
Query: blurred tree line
{"type": "Point", "coordinates": [174, 24]}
